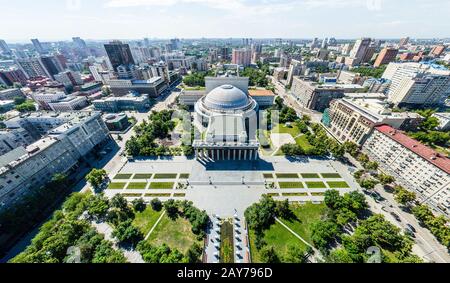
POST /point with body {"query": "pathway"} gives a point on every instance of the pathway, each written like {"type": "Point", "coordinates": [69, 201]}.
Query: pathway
{"type": "Point", "coordinates": [154, 226]}
{"type": "Point", "coordinates": [316, 251]}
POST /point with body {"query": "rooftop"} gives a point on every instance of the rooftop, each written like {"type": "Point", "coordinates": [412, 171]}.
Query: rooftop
{"type": "Point", "coordinates": [425, 152]}
{"type": "Point", "coordinates": [260, 92]}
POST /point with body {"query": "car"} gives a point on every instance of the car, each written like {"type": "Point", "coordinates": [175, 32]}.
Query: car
{"type": "Point", "coordinates": [410, 227]}
{"type": "Point", "coordinates": [395, 215]}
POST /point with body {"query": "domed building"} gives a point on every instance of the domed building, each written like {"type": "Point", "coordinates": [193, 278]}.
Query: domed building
{"type": "Point", "coordinates": [227, 117]}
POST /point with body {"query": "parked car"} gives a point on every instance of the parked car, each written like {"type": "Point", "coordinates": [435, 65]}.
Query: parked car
{"type": "Point", "coordinates": [395, 215]}
{"type": "Point", "coordinates": [410, 227]}
{"type": "Point", "coordinates": [410, 233]}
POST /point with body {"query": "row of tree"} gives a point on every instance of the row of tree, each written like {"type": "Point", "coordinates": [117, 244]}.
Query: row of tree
{"type": "Point", "coordinates": [66, 230]}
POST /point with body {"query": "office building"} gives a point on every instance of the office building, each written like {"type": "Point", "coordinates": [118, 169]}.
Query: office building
{"type": "Point", "coordinates": [444, 120]}
{"type": "Point", "coordinates": [317, 96]}
{"type": "Point", "coordinates": [69, 79]}
{"type": "Point", "coordinates": [353, 118]}
{"type": "Point", "coordinates": [119, 54]}
{"type": "Point", "coordinates": [154, 87]}
{"type": "Point", "coordinates": [11, 94]}
{"type": "Point", "coordinates": [38, 46]}
{"type": "Point", "coordinates": [14, 138]}
{"type": "Point", "coordinates": [11, 76]}
{"type": "Point", "coordinates": [33, 68]}
{"type": "Point", "coordinates": [437, 50]}
{"type": "Point", "coordinates": [417, 84]}
{"type": "Point", "coordinates": [4, 48]}
{"type": "Point", "coordinates": [46, 96]}
{"type": "Point", "coordinates": [117, 122]}
{"type": "Point", "coordinates": [415, 166]}
{"type": "Point", "coordinates": [124, 103]}
{"type": "Point", "coordinates": [404, 41]}
{"type": "Point", "coordinates": [70, 103]}
{"type": "Point", "coordinates": [295, 69]}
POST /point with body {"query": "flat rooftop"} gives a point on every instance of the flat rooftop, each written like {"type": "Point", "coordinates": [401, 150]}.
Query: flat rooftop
{"type": "Point", "coordinates": [260, 92]}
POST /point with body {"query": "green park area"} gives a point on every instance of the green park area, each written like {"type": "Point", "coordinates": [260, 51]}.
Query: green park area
{"type": "Point", "coordinates": [177, 234]}
{"type": "Point", "coordinates": [291, 185]}
{"type": "Point", "coordinates": [331, 175]}
{"type": "Point", "coordinates": [162, 185]}
{"type": "Point", "coordinates": [136, 186]}
{"type": "Point", "coordinates": [338, 185]}
{"type": "Point", "coordinates": [310, 176]}
{"type": "Point", "coordinates": [117, 186]}
{"type": "Point", "coordinates": [287, 176]}
{"type": "Point", "coordinates": [146, 220]}
{"type": "Point", "coordinates": [281, 239]}
{"type": "Point", "coordinates": [316, 185]}
{"type": "Point", "coordinates": [123, 176]}
{"type": "Point", "coordinates": [165, 176]}
{"type": "Point", "coordinates": [142, 176]}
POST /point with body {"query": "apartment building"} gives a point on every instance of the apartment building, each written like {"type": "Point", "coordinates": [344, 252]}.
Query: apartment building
{"type": "Point", "coordinates": [417, 167]}
{"type": "Point", "coordinates": [154, 87]}
{"type": "Point", "coordinates": [24, 169]}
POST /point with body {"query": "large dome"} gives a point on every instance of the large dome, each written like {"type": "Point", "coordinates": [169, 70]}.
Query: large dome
{"type": "Point", "coordinates": [226, 97]}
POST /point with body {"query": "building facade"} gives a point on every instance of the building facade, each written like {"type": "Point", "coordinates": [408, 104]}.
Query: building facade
{"type": "Point", "coordinates": [417, 167]}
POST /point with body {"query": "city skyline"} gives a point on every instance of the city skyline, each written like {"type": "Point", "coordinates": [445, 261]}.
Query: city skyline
{"type": "Point", "coordinates": [127, 19]}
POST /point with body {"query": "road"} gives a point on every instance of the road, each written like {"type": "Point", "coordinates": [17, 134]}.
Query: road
{"type": "Point", "coordinates": [280, 89]}
{"type": "Point", "coordinates": [425, 244]}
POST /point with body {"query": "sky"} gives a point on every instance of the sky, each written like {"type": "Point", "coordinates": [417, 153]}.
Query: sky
{"type": "Point", "coordinates": [134, 19]}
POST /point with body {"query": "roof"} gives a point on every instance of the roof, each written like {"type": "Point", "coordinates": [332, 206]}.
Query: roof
{"type": "Point", "coordinates": [260, 92]}
{"type": "Point", "coordinates": [226, 97]}
{"type": "Point", "coordinates": [425, 152]}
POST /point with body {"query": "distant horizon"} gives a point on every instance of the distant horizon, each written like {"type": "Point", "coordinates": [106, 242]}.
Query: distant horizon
{"type": "Point", "coordinates": [53, 20]}
{"type": "Point", "coordinates": [43, 40]}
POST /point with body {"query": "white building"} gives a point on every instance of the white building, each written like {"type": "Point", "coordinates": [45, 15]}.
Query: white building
{"type": "Point", "coordinates": [242, 57]}
{"type": "Point", "coordinates": [417, 167]}
{"type": "Point", "coordinates": [227, 116]}
{"type": "Point", "coordinates": [69, 103]}
{"type": "Point", "coordinates": [444, 120]}
{"type": "Point", "coordinates": [11, 139]}
{"type": "Point", "coordinates": [69, 78]}
{"type": "Point", "coordinates": [354, 117]}
{"type": "Point", "coordinates": [417, 84]}
{"type": "Point", "coordinates": [45, 97]}
{"type": "Point", "coordinates": [25, 169]}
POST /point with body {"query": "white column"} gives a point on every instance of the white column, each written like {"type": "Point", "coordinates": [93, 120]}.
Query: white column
{"type": "Point", "coordinates": [213, 155]}
{"type": "Point", "coordinates": [245, 154]}
{"type": "Point", "coordinates": [239, 158]}
{"type": "Point", "coordinates": [234, 154]}
{"type": "Point", "coordinates": [251, 154]}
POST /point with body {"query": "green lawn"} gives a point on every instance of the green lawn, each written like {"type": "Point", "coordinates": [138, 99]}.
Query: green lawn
{"type": "Point", "coordinates": [146, 219]}
{"type": "Point", "coordinates": [331, 175]}
{"type": "Point", "coordinates": [294, 194]}
{"type": "Point", "coordinates": [273, 194]}
{"type": "Point", "coordinates": [282, 129]}
{"type": "Point", "coordinates": [278, 237]}
{"type": "Point", "coordinates": [123, 176]}
{"type": "Point", "coordinates": [117, 186]}
{"type": "Point", "coordinates": [268, 176]}
{"type": "Point", "coordinates": [155, 195]}
{"type": "Point", "coordinates": [287, 176]}
{"type": "Point", "coordinates": [162, 185]}
{"type": "Point", "coordinates": [131, 195]}
{"type": "Point", "coordinates": [316, 185]}
{"type": "Point", "coordinates": [338, 185]}
{"type": "Point", "coordinates": [317, 194]}
{"type": "Point", "coordinates": [184, 176]}
{"type": "Point", "coordinates": [179, 195]}
{"type": "Point", "coordinates": [303, 142]}
{"type": "Point", "coordinates": [136, 186]}
{"type": "Point", "coordinates": [176, 234]}
{"type": "Point", "coordinates": [310, 175]}
{"type": "Point", "coordinates": [165, 176]}
{"type": "Point", "coordinates": [142, 176]}
{"type": "Point", "coordinates": [305, 215]}
{"type": "Point", "coordinates": [291, 185]}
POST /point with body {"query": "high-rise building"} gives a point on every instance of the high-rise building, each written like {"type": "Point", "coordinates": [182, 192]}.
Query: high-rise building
{"type": "Point", "coordinates": [52, 64]}
{"type": "Point", "coordinates": [403, 41]}
{"type": "Point", "coordinates": [12, 76]}
{"type": "Point", "coordinates": [69, 79]}
{"type": "Point", "coordinates": [4, 47]}
{"type": "Point", "coordinates": [361, 51]}
{"type": "Point", "coordinates": [119, 54]}
{"type": "Point", "coordinates": [386, 56]}
{"type": "Point", "coordinates": [294, 70]}
{"type": "Point", "coordinates": [417, 84]}
{"type": "Point", "coordinates": [80, 43]}
{"type": "Point", "coordinates": [242, 57]}
{"type": "Point", "coordinates": [33, 68]}
{"type": "Point", "coordinates": [38, 46]}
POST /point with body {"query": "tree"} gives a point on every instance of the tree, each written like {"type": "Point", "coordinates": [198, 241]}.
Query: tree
{"type": "Point", "coordinates": [363, 158]}
{"type": "Point", "coordinates": [171, 208]}
{"type": "Point", "coordinates": [337, 150]}
{"type": "Point", "coordinates": [27, 106]}
{"type": "Point", "coordinates": [98, 206]}
{"type": "Point", "coordinates": [295, 255]}
{"type": "Point", "coordinates": [119, 202]}
{"type": "Point", "coordinates": [19, 100]}
{"type": "Point", "coordinates": [139, 205]}
{"type": "Point", "coordinates": [126, 233]}
{"type": "Point", "coordinates": [261, 215]}
{"type": "Point", "coordinates": [371, 165]}
{"type": "Point", "coordinates": [269, 255]}
{"type": "Point", "coordinates": [404, 196]}
{"type": "Point", "coordinates": [194, 253]}
{"type": "Point", "coordinates": [323, 233]}
{"type": "Point", "coordinates": [351, 148]}
{"type": "Point", "coordinates": [283, 209]}
{"type": "Point", "coordinates": [368, 184]}
{"type": "Point", "coordinates": [96, 177]}
{"type": "Point", "coordinates": [105, 253]}
{"type": "Point", "coordinates": [333, 199]}
{"type": "Point", "coordinates": [340, 256]}
{"type": "Point", "coordinates": [156, 204]}
{"type": "Point", "coordinates": [386, 179]}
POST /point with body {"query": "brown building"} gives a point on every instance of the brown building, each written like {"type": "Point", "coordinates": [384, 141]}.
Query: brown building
{"type": "Point", "coordinates": [438, 50]}
{"type": "Point", "coordinates": [386, 56]}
